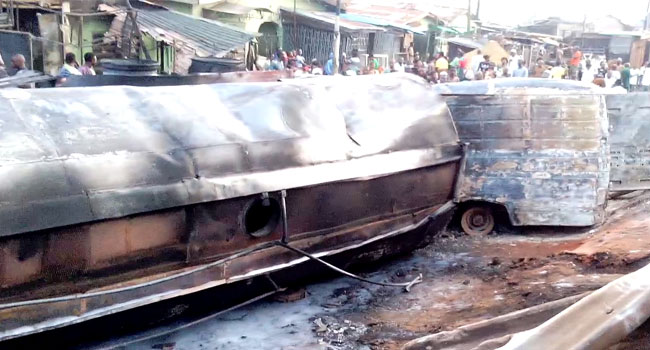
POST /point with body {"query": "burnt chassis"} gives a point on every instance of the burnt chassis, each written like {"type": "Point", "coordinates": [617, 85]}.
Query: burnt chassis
{"type": "Point", "coordinates": [537, 149]}
{"type": "Point", "coordinates": [142, 196]}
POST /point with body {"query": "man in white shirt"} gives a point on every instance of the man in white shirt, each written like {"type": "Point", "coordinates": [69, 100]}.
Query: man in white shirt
{"type": "Point", "coordinates": [513, 61]}
{"type": "Point", "coordinates": [475, 63]}
{"type": "Point", "coordinates": [588, 72]}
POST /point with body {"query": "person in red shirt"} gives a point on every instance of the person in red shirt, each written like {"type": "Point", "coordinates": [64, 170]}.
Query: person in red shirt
{"type": "Point", "coordinates": [575, 63]}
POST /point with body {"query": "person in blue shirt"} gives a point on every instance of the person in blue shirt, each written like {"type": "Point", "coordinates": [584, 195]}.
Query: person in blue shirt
{"type": "Point", "coordinates": [521, 71]}
{"type": "Point", "coordinates": [329, 66]}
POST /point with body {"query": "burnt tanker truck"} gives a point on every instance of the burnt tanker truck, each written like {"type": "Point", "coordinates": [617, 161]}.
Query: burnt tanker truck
{"type": "Point", "coordinates": [116, 197]}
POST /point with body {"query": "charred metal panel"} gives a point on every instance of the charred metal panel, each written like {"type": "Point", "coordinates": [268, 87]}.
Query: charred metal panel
{"type": "Point", "coordinates": [175, 80]}
{"type": "Point", "coordinates": [125, 150]}
{"type": "Point", "coordinates": [540, 152]}
{"type": "Point", "coordinates": [629, 117]}
{"type": "Point", "coordinates": [162, 180]}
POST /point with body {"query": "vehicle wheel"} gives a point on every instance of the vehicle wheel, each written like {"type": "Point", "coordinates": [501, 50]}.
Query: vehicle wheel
{"type": "Point", "coordinates": [477, 221]}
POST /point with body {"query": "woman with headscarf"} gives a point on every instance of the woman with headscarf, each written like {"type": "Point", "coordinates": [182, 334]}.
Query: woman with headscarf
{"type": "Point", "coordinates": [329, 66]}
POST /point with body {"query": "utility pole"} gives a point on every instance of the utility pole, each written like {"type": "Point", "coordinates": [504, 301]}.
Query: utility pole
{"type": "Point", "coordinates": [478, 10]}
{"type": "Point", "coordinates": [295, 26]}
{"type": "Point", "coordinates": [469, 16]}
{"type": "Point", "coordinates": [337, 37]}
{"type": "Point", "coordinates": [647, 13]}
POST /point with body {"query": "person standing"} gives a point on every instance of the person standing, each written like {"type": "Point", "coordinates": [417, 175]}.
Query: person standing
{"type": "Point", "coordinates": [89, 64]}
{"type": "Point", "coordinates": [476, 61]}
{"type": "Point", "coordinates": [70, 66]}
{"type": "Point", "coordinates": [645, 77]}
{"type": "Point", "coordinates": [300, 59]}
{"type": "Point", "coordinates": [521, 71]}
{"type": "Point", "coordinates": [442, 64]}
{"type": "Point", "coordinates": [610, 80]}
{"type": "Point", "coordinates": [602, 70]}
{"type": "Point", "coordinates": [484, 65]}
{"type": "Point", "coordinates": [513, 61]}
{"type": "Point", "coordinates": [329, 65]}
{"type": "Point", "coordinates": [503, 71]}
{"type": "Point", "coordinates": [588, 74]}
{"type": "Point", "coordinates": [316, 68]}
{"type": "Point", "coordinates": [355, 62]}
{"type": "Point", "coordinates": [625, 77]}
{"type": "Point", "coordinates": [18, 65]}
{"type": "Point", "coordinates": [559, 72]}
{"type": "Point", "coordinates": [19, 68]}
{"type": "Point", "coordinates": [453, 76]}
{"type": "Point", "coordinates": [575, 63]}
{"type": "Point", "coordinates": [539, 69]}
{"type": "Point", "coordinates": [410, 53]}
{"type": "Point", "coordinates": [276, 63]}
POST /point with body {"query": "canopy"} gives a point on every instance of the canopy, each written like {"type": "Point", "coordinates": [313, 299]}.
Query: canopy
{"type": "Point", "coordinates": [493, 49]}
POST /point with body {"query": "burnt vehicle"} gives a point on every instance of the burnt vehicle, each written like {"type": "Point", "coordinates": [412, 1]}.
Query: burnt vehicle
{"type": "Point", "coordinates": [629, 117]}
{"type": "Point", "coordinates": [537, 151]}
{"type": "Point", "coordinates": [116, 197]}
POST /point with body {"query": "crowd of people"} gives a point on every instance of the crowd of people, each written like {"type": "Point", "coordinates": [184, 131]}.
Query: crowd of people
{"type": "Point", "coordinates": [70, 67]}
{"type": "Point", "coordinates": [435, 69]}
{"type": "Point", "coordinates": [480, 66]}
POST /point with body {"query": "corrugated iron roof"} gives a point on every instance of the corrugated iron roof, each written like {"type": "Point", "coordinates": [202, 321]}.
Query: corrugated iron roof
{"type": "Point", "coordinates": [378, 22]}
{"type": "Point", "coordinates": [406, 12]}
{"type": "Point", "coordinates": [465, 42]}
{"type": "Point", "coordinates": [230, 8]}
{"type": "Point", "coordinates": [330, 18]}
{"type": "Point", "coordinates": [207, 37]}
{"type": "Point", "coordinates": [393, 14]}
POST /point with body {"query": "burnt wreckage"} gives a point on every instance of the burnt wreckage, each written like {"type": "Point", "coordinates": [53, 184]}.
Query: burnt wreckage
{"type": "Point", "coordinates": [537, 150]}
{"type": "Point", "coordinates": [138, 195]}
{"type": "Point", "coordinates": [131, 196]}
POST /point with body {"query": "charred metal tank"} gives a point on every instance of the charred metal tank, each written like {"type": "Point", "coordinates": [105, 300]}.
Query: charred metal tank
{"type": "Point", "coordinates": [129, 67]}
{"type": "Point", "coordinates": [537, 148]}
{"type": "Point", "coordinates": [119, 197]}
{"type": "Point", "coordinates": [216, 65]}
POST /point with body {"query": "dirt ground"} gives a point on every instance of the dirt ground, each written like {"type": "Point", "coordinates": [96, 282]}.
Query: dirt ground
{"type": "Point", "coordinates": [464, 280]}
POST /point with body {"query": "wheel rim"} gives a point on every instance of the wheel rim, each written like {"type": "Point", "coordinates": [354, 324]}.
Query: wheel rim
{"type": "Point", "coordinates": [477, 221]}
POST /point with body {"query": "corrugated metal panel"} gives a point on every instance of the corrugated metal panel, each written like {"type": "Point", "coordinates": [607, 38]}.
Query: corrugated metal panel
{"type": "Point", "coordinates": [205, 37]}
{"type": "Point", "coordinates": [208, 37]}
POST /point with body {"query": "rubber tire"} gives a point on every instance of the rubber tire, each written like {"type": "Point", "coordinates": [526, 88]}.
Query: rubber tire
{"type": "Point", "coordinates": [483, 230]}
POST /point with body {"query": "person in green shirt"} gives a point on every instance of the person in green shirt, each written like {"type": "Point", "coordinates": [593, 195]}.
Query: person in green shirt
{"type": "Point", "coordinates": [625, 77]}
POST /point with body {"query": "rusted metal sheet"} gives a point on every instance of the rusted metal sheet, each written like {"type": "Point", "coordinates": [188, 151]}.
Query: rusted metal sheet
{"type": "Point", "coordinates": [541, 152]}
{"type": "Point", "coordinates": [629, 117]}
{"type": "Point", "coordinates": [130, 196]}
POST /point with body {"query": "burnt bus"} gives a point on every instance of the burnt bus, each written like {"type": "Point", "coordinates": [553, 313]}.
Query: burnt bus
{"type": "Point", "coordinates": [537, 150]}
{"type": "Point", "coordinates": [114, 198]}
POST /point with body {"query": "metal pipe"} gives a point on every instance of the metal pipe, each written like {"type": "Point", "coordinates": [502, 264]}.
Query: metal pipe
{"type": "Point", "coordinates": [285, 222]}
{"type": "Point", "coordinates": [469, 16]}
